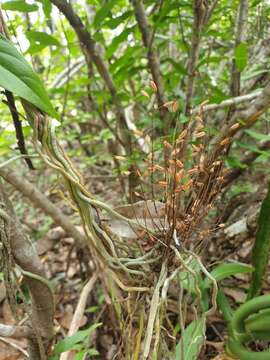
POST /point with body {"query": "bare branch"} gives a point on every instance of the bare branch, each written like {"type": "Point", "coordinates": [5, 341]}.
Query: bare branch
{"type": "Point", "coordinates": [246, 162]}
{"type": "Point", "coordinates": [199, 13]}
{"type": "Point", "coordinates": [92, 54]}
{"type": "Point", "coordinates": [246, 119]}
{"type": "Point", "coordinates": [18, 127]}
{"type": "Point", "coordinates": [41, 201]}
{"type": "Point", "coordinates": [233, 101]}
{"type": "Point", "coordinates": [20, 248]}
{"type": "Point", "coordinates": [16, 332]}
{"type": "Point", "coordinates": [240, 36]}
{"type": "Point", "coordinates": [152, 56]}
{"type": "Point", "coordinates": [80, 308]}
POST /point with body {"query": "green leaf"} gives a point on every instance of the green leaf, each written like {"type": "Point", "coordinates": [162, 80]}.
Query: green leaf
{"type": "Point", "coordinates": [119, 39]}
{"type": "Point", "coordinates": [19, 5]}
{"type": "Point", "coordinates": [92, 352]}
{"type": "Point", "coordinates": [47, 7]}
{"type": "Point", "coordinates": [261, 248]}
{"type": "Point", "coordinates": [235, 162]}
{"type": "Point", "coordinates": [80, 355]}
{"type": "Point", "coordinates": [257, 136]}
{"type": "Point", "coordinates": [252, 148]}
{"type": "Point", "coordinates": [42, 37]}
{"type": "Point", "coordinates": [191, 341]}
{"type": "Point", "coordinates": [70, 341]}
{"type": "Point", "coordinates": [223, 271]}
{"type": "Point", "coordinates": [102, 13]}
{"type": "Point", "coordinates": [39, 40]}
{"type": "Point", "coordinates": [114, 22]}
{"type": "Point", "coordinates": [17, 76]}
{"type": "Point", "coordinates": [183, 119]}
{"type": "Point", "coordinates": [187, 280]}
{"type": "Point", "coordinates": [177, 66]}
{"type": "Point", "coordinates": [224, 306]}
{"type": "Point", "coordinates": [241, 56]}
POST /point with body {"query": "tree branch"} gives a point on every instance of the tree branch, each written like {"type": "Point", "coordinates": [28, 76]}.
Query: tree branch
{"type": "Point", "coordinates": [240, 36]}
{"type": "Point", "coordinates": [233, 101]}
{"type": "Point", "coordinates": [18, 127]}
{"type": "Point", "coordinates": [152, 56]}
{"type": "Point", "coordinates": [246, 161]}
{"type": "Point", "coordinates": [240, 120]}
{"type": "Point", "coordinates": [199, 14]}
{"type": "Point", "coordinates": [41, 201]}
{"type": "Point", "coordinates": [25, 256]}
{"type": "Point", "coordinates": [92, 54]}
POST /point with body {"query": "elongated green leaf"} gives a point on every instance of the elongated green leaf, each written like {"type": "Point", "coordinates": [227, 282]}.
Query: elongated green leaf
{"type": "Point", "coordinates": [19, 5]}
{"type": "Point", "coordinates": [47, 7]}
{"type": "Point", "coordinates": [260, 251]}
{"type": "Point", "coordinates": [42, 37]}
{"type": "Point", "coordinates": [241, 56]}
{"type": "Point", "coordinates": [223, 271]}
{"type": "Point", "coordinates": [39, 41]}
{"type": "Point", "coordinates": [224, 306]}
{"type": "Point", "coordinates": [257, 136]}
{"type": "Point", "coordinates": [118, 40]}
{"type": "Point", "coordinates": [17, 76]}
{"type": "Point", "coordinates": [259, 321]}
{"type": "Point", "coordinates": [187, 280]}
{"type": "Point", "coordinates": [70, 341]}
{"type": "Point", "coordinates": [191, 341]}
{"type": "Point", "coordinates": [114, 22]}
{"type": "Point", "coordinates": [103, 12]}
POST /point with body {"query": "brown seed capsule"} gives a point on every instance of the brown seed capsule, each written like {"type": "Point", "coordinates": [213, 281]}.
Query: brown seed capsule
{"type": "Point", "coordinates": [175, 151]}
{"type": "Point", "coordinates": [179, 164]}
{"type": "Point", "coordinates": [159, 168]}
{"type": "Point", "coordinates": [118, 157]}
{"type": "Point", "coordinates": [195, 148]}
{"type": "Point", "coordinates": [182, 135]}
{"type": "Point", "coordinates": [144, 93]}
{"type": "Point", "coordinates": [137, 132]}
{"type": "Point", "coordinates": [178, 176]}
{"type": "Point", "coordinates": [193, 170]}
{"type": "Point", "coordinates": [163, 183]}
{"type": "Point", "coordinates": [175, 106]}
{"type": "Point", "coordinates": [153, 85]}
{"type": "Point", "coordinates": [235, 126]}
{"type": "Point", "coordinates": [200, 134]}
{"type": "Point", "coordinates": [138, 173]}
{"type": "Point", "coordinates": [225, 142]}
{"type": "Point", "coordinates": [187, 185]}
{"type": "Point", "coordinates": [167, 145]}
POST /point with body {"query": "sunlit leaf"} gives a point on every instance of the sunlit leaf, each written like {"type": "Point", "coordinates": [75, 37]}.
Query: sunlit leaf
{"type": "Point", "coordinates": [241, 56]}
{"type": "Point", "coordinates": [191, 341]}
{"type": "Point", "coordinates": [224, 271]}
{"type": "Point", "coordinates": [260, 251]}
{"type": "Point", "coordinates": [17, 76]}
{"type": "Point", "coordinates": [19, 5]}
{"type": "Point", "coordinates": [69, 342]}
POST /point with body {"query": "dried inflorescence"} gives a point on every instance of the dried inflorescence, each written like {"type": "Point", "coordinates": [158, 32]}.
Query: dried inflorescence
{"type": "Point", "coordinates": [188, 179]}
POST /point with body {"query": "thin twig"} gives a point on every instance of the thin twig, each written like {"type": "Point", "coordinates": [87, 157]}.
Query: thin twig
{"type": "Point", "coordinates": [232, 101]}
{"type": "Point", "coordinates": [152, 56]}
{"type": "Point", "coordinates": [80, 308]}
{"type": "Point", "coordinates": [15, 346]}
{"type": "Point", "coordinates": [240, 36]}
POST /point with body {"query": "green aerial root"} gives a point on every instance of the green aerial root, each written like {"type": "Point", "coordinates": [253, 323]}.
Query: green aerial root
{"type": "Point", "coordinates": [125, 267]}
{"type": "Point", "coordinates": [250, 322]}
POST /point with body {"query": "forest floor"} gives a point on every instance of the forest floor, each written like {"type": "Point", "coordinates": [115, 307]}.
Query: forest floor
{"type": "Point", "coordinates": [69, 267]}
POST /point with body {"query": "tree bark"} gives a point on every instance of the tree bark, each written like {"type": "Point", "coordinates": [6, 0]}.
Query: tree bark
{"type": "Point", "coordinates": [41, 201]}
{"type": "Point", "coordinates": [21, 250]}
